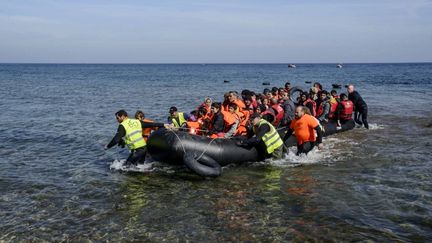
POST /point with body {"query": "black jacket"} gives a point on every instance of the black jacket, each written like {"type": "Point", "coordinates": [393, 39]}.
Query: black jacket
{"type": "Point", "coordinates": [218, 123]}
{"type": "Point", "coordinates": [254, 140]}
{"type": "Point", "coordinates": [357, 100]}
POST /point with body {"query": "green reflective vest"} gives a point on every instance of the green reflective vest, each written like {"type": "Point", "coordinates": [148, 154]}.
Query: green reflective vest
{"type": "Point", "coordinates": [133, 138]}
{"type": "Point", "coordinates": [181, 120]}
{"type": "Point", "coordinates": [271, 139]}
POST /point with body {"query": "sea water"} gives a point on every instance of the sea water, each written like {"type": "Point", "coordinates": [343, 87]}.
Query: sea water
{"type": "Point", "coordinates": [58, 183]}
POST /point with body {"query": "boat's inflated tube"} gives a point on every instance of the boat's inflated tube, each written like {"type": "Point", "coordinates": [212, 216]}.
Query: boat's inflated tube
{"type": "Point", "coordinates": [205, 156]}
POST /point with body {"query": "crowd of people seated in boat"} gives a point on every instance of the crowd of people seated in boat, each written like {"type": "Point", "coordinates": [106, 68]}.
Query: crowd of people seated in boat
{"type": "Point", "coordinates": [255, 115]}
{"type": "Point", "coordinates": [230, 117]}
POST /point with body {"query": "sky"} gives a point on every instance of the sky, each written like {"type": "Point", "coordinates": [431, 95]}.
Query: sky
{"type": "Point", "coordinates": [222, 31]}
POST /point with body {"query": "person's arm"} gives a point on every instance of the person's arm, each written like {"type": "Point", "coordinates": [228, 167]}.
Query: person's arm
{"type": "Point", "coordinates": [151, 124]}
{"type": "Point", "coordinates": [339, 109]}
{"type": "Point", "coordinates": [262, 130]}
{"type": "Point", "coordinates": [232, 130]}
{"type": "Point", "coordinates": [326, 111]}
{"type": "Point", "coordinates": [121, 132]}
{"type": "Point", "coordinates": [319, 134]}
{"type": "Point", "coordinates": [288, 134]}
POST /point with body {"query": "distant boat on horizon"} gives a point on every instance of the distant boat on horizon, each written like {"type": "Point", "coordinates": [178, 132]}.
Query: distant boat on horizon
{"type": "Point", "coordinates": [339, 65]}
{"type": "Point", "coordinates": [292, 66]}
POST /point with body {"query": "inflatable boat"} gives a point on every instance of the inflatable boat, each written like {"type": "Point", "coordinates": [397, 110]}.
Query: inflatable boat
{"type": "Point", "coordinates": [205, 156]}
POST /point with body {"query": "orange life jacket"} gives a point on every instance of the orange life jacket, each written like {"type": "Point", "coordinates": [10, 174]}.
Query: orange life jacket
{"type": "Point", "coordinates": [243, 118]}
{"type": "Point", "coordinates": [229, 119]}
{"type": "Point", "coordinates": [146, 131]}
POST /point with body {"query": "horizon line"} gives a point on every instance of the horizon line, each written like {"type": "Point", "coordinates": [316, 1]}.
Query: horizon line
{"type": "Point", "coordinates": [211, 63]}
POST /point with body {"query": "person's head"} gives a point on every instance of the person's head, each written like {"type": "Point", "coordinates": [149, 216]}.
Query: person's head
{"type": "Point", "coordinates": [282, 91]}
{"type": "Point", "coordinates": [265, 91]}
{"type": "Point", "coordinates": [333, 93]}
{"type": "Point", "coordinates": [287, 86]}
{"type": "Point", "coordinates": [255, 118]}
{"type": "Point", "coordinates": [121, 115]}
{"type": "Point", "coordinates": [215, 107]}
{"type": "Point", "coordinates": [275, 90]}
{"type": "Point", "coordinates": [260, 109]}
{"type": "Point", "coordinates": [318, 86]}
{"type": "Point", "coordinates": [232, 107]}
{"type": "Point", "coordinates": [299, 112]}
{"type": "Point", "coordinates": [269, 95]}
{"type": "Point", "coordinates": [232, 96]}
{"type": "Point", "coordinates": [313, 90]}
{"type": "Point", "coordinates": [226, 96]}
{"type": "Point", "coordinates": [173, 111]}
{"type": "Point", "coordinates": [202, 111]}
{"type": "Point", "coordinates": [350, 88]}
{"type": "Point", "coordinates": [285, 96]}
{"type": "Point", "coordinates": [265, 101]}
{"type": "Point", "coordinates": [304, 96]}
{"type": "Point", "coordinates": [274, 101]}
{"type": "Point", "coordinates": [139, 115]}
{"type": "Point", "coordinates": [208, 101]}
{"type": "Point", "coordinates": [323, 95]}
{"type": "Point", "coordinates": [246, 93]}
{"type": "Point", "coordinates": [247, 100]}
{"type": "Point", "coordinates": [343, 96]}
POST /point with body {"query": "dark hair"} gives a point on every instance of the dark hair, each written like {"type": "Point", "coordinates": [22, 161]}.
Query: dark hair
{"type": "Point", "coordinates": [324, 92]}
{"type": "Point", "coordinates": [343, 96]}
{"type": "Point", "coordinates": [246, 92]}
{"type": "Point", "coordinates": [261, 107]}
{"type": "Point", "coordinates": [265, 91]}
{"type": "Point", "coordinates": [139, 115]}
{"type": "Point", "coordinates": [216, 105]}
{"type": "Point", "coordinates": [287, 83]}
{"type": "Point", "coordinates": [333, 92]}
{"type": "Point", "coordinates": [172, 109]}
{"type": "Point", "coordinates": [245, 98]}
{"type": "Point", "coordinates": [274, 89]}
{"type": "Point", "coordinates": [233, 105]}
{"type": "Point", "coordinates": [305, 94]}
{"type": "Point", "coordinates": [268, 117]}
{"type": "Point", "coordinates": [319, 85]}
{"type": "Point", "coordinates": [202, 111]}
{"type": "Point", "coordinates": [121, 113]}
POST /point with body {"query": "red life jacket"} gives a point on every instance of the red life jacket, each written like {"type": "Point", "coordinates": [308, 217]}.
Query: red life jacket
{"type": "Point", "coordinates": [313, 111]}
{"type": "Point", "coordinates": [280, 114]}
{"type": "Point", "coordinates": [320, 110]}
{"type": "Point", "coordinates": [270, 112]}
{"type": "Point", "coordinates": [333, 108]}
{"type": "Point", "coordinates": [348, 107]}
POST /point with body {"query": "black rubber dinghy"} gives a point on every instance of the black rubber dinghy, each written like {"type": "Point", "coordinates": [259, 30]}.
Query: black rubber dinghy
{"type": "Point", "coordinates": [205, 156]}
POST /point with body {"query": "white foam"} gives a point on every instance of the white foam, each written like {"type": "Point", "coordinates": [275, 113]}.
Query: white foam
{"type": "Point", "coordinates": [335, 149]}
{"type": "Point", "coordinates": [374, 126]}
{"type": "Point", "coordinates": [118, 165]}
